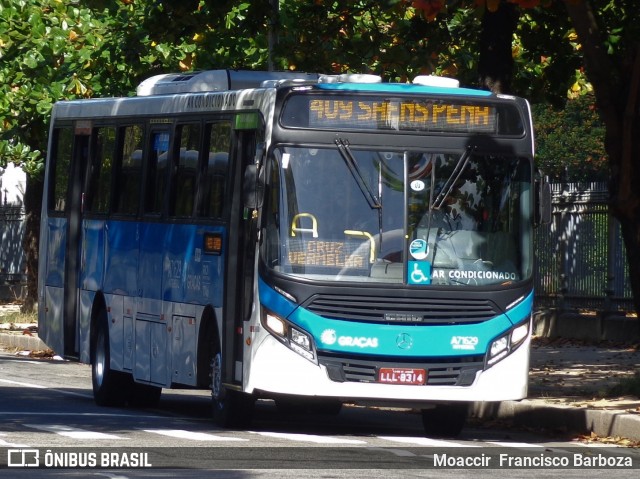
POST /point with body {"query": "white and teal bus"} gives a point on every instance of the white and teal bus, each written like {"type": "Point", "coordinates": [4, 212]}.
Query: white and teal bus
{"type": "Point", "coordinates": [305, 238]}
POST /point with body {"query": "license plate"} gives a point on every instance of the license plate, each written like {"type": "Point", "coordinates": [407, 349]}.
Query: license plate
{"type": "Point", "coordinates": [402, 376]}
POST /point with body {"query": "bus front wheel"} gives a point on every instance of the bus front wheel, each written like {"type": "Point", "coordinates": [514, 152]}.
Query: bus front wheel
{"type": "Point", "coordinates": [110, 388]}
{"type": "Point", "coordinates": [445, 420]}
{"type": "Point", "coordinates": [230, 408]}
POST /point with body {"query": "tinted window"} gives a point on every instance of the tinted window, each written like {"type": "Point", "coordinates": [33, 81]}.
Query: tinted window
{"type": "Point", "coordinates": [215, 172]}
{"type": "Point", "coordinates": [184, 181]}
{"type": "Point", "coordinates": [158, 163]}
{"type": "Point", "coordinates": [99, 190]}
{"type": "Point", "coordinates": [130, 172]}
{"type": "Point", "coordinates": [63, 149]}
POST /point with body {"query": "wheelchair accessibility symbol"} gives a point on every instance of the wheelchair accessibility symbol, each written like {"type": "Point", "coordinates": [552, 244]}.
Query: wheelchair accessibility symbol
{"type": "Point", "coordinates": [419, 272]}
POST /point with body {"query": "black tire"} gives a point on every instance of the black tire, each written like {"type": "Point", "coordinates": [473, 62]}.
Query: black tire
{"type": "Point", "coordinates": [445, 420]}
{"type": "Point", "coordinates": [110, 388]}
{"type": "Point", "coordinates": [231, 409]}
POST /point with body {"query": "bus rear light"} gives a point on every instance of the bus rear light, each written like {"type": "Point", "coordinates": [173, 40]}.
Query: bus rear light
{"type": "Point", "coordinates": [212, 243]}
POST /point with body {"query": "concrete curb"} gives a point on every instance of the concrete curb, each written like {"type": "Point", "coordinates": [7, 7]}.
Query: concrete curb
{"type": "Point", "coordinates": [535, 413]}
{"type": "Point", "coordinates": [22, 341]}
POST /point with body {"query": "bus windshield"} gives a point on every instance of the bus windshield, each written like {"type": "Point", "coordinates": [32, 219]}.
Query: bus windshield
{"type": "Point", "coordinates": [421, 218]}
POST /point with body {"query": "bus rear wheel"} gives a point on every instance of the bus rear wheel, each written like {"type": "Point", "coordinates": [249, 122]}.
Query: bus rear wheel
{"type": "Point", "coordinates": [230, 408]}
{"type": "Point", "coordinates": [445, 420]}
{"type": "Point", "coordinates": [110, 388]}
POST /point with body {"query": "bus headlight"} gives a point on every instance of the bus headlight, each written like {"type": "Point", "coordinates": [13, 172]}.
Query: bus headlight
{"type": "Point", "coordinates": [507, 343]}
{"type": "Point", "coordinates": [276, 325]}
{"type": "Point", "coordinates": [291, 336]}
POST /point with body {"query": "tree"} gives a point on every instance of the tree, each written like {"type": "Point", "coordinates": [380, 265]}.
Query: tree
{"type": "Point", "coordinates": [50, 51]}
{"type": "Point", "coordinates": [606, 37]}
{"type": "Point", "coordinates": [612, 63]}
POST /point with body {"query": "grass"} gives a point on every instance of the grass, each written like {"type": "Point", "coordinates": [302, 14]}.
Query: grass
{"type": "Point", "coordinates": [627, 387]}
{"type": "Point", "coordinates": [18, 318]}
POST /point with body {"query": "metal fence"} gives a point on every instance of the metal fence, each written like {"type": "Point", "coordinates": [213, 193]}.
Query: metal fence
{"type": "Point", "coordinates": [581, 260]}
{"type": "Point", "coordinates": [11, 251]}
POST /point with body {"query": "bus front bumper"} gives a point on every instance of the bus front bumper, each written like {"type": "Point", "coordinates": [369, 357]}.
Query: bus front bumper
{"type": "Point", "coordinates": [278, 370]}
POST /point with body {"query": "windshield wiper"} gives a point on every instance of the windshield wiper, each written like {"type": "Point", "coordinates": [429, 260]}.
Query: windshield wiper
{"type": "Point", "coordinates": [352, 164]}
{"type": "Point", "coordinates": [453, 178]}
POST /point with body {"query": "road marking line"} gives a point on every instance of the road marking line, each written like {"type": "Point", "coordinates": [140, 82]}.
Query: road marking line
{"type": "Point", "coordinates": [11, 444]}
{"type": "Point", "coordinates": [425, 441]}
{"type": "Point", "coordinates": [73, 432]}
{"type": "Point", "coordinates": [309, 438]}
{"type": "Point", "coordinates": [394, 451]}
{"type": "Point", "coordinates": [18, 383]}
{"type": "Point", "coordinates": [76, 414]}
{"type": "Point", "coordinates": [192, 435]}
{"type": "Point", "coordinates": [519, 445]}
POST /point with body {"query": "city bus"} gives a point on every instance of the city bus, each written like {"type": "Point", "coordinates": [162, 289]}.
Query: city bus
{"type": "Point", "coordinates": [312, 240]}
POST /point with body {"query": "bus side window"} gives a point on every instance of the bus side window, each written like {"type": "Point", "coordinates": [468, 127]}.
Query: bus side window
{"type": "Point", "coordinates": [63, 148]}
{"type": "Point", "coordinates": [183, 189]}
{"type": "Point", "coordinates": [157, 166]}
{"type": "Point", "coordinates": [102, 161]}
{"type": "Point", "coordinates": [129, 174]}
{"type": "Point", "coordinates": [214, 177]}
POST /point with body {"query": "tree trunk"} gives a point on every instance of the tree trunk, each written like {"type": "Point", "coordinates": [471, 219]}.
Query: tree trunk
{"type": "Point", "coordinates": [495, 66]}
{"type": "Point", "coordinates": [617, 90]}
{"type": "Point", "coordinates": [32, 206]}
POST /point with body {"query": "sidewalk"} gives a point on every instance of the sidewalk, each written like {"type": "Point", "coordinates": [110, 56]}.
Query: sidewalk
{"type": "Point", "coordinates": [568, 381]}
{"type": "Point", "coordinates": [570, 386]}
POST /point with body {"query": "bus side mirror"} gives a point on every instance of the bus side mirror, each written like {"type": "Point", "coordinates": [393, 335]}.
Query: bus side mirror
{"type": "Point", "coordinates": [543, 201]}
{"type": "Point", "coordinates": [253, 188]}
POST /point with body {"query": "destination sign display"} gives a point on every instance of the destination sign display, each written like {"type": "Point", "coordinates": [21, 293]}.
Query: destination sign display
{"type": "Point", "coordinates": [366, 113]}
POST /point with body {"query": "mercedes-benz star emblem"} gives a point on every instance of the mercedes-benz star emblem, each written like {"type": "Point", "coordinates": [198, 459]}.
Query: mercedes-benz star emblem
{"type": "Point", "coordinates": [404, 341]}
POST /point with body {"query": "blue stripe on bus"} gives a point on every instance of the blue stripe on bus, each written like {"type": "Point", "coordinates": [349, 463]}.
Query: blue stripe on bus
{"type": "Point", "coordinates": [382, 339]}
{"type": "Point", "coordinates": [172, 266]}
{"type": "Point", "coordinates": [403, 88]}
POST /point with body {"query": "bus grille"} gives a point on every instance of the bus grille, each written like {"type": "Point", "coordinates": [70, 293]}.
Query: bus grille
{"type": "Point", "coordinates": [403, 310]}
{"type": "Point", "coordinates": [446, 373]}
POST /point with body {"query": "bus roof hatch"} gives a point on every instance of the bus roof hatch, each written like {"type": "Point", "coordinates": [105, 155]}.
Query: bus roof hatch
{"type": "Point", "coordinates": [213, 80]}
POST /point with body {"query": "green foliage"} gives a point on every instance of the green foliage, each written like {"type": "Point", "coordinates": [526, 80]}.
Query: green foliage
{"type": "Point", "coordinates": [52, 50]}
{"type": "Point", "coordinates": [570, 140]}
{"type": "Point", "coordinates": [386, 38]}
{"type": "Point", "coordinates": [545, 55]}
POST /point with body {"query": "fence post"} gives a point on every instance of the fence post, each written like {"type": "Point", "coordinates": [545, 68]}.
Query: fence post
{"type": "Point", "coordinates": [611, 259]}
{"type": "Point", "coordinates": [563, 247]}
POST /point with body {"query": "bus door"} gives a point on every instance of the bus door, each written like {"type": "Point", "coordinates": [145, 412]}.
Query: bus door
{"type": "Point", "coordinates": [241, 260]}
{"type": "Point", "coordinates": [75, 197]}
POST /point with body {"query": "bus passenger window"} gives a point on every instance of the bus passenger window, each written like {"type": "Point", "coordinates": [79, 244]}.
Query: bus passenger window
{"type": "Point", "coordinates": [184, 179]}
{"type": "Point", "coordinates": [157, 165]}
{"type": "Point", "coordinates": [214, 179]}
{"type": "Point", "coordinates": [59, 184]}
{"type": "Point", "coordinates": [130, 172]}
{"type": "Point", "coordinates": [99, 189]}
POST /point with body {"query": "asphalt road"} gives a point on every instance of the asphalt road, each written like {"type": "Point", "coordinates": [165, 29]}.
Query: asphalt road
{"type": "Point", "coordinates": [48, 417]}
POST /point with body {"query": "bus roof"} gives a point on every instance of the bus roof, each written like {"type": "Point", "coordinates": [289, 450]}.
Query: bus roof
{"type": "Point", "coordinates": [225, 80]}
